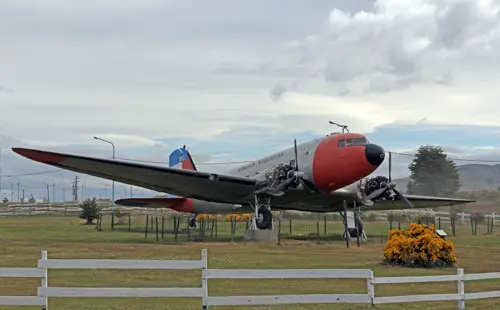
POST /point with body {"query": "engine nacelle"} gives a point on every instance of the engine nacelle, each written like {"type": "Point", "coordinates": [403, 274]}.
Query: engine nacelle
{"type": "Point", "coordinates": [274, 175]}
{"type": "Point", "coordinates": [372, 184]}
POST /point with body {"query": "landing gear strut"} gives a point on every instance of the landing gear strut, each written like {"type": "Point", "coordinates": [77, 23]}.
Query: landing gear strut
{"type": "Point", "coordinates": [263, 218]}
{"type": "Point", "coordinates": [352, 223]}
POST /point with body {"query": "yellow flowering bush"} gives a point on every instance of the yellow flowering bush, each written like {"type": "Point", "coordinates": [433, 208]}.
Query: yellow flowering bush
{"type": "Point", "coordinates": [239, 217]}
{"type": "Point", "coordinates": [419, 246]}
{"type": "Point", "coordinates": [204, 217]}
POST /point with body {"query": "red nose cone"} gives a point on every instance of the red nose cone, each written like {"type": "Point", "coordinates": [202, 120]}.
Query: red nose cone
{"type": "Point", "coordinates": [335, 167]}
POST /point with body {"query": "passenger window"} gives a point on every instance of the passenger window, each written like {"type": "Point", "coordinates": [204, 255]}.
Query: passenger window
{"type": "Point", "coordinates": [341, 143]}
{"type": "Point", "coordinates": [349, 141]}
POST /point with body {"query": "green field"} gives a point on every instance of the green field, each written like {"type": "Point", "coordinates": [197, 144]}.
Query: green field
{"type": "Point", "coordinates": [24, 237]}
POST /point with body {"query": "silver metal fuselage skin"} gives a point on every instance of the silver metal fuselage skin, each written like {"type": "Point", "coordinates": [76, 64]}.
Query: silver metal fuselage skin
{"type": "Point", "coordinates": [298, 199]}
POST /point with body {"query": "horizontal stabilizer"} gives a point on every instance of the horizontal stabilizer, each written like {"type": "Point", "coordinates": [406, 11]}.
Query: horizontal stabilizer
{"type": "Point", "coordinates": [175, 203]}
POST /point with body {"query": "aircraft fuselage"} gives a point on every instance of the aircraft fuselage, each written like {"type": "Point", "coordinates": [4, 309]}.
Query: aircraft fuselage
{"type": "Point", "coordinates": [333, 162]}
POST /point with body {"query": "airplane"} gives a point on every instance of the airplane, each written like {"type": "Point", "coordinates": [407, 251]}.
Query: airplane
{"type": "Point", "coordinates": [320, 175]}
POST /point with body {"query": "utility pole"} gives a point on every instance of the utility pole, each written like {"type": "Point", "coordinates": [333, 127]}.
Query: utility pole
{"type": "Point", "coordinates": [54, 191]}
{"type": "Point", "coordinates": [23, 195]}
{"type": "Point", "coordinates": [11, 192]}
{"type": "Point", "coordinates": [75, 188]}
{"type": "Point", "coordinates": [48, 193]}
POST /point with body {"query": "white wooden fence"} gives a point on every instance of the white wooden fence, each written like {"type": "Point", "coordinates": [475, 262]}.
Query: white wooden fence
{"type": "Point", "coordinates": [70, 209]}
{"type": "Point", "coordinates": [44, 291]}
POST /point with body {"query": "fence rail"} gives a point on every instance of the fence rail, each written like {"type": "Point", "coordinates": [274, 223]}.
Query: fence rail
{"type": "Point", "coordinates": [66, 208]}
{"type": "Point", "coordinates": [29, 209]}
{"type": "Point", "coordinates": [44, 292]}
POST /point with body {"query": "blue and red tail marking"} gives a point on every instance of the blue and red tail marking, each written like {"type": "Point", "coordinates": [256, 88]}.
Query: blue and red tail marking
{"type": "Point", "coordinates": [181, 159]}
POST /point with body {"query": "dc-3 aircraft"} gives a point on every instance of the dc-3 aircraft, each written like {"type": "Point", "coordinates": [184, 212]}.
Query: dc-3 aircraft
{"type": "Point", "coordinates": [315, 176]}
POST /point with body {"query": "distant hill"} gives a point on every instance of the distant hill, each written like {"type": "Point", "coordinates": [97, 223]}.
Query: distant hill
{"type": "Point", "coordinates": [472, 177]}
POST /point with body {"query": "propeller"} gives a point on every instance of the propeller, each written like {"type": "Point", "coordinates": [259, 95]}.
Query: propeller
{"type": "Point", "coordinates": [294, 176]}
{"type": "Point", "coordinates": [384, 187]}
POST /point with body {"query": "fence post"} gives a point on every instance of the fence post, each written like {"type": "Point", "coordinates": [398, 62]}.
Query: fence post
{"type": "Point", "coordinates": [461, 289]}
{"type": "Point", "coordinates": [45, 281]}
{"type": "Point", "coordinates": [371, 287]}
{"type": "Point", "coordinates": [204, 279]}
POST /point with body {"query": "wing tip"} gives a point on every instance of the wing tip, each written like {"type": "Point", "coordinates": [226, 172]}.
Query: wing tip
{"type": "Point", "coordinates": [40, 156]}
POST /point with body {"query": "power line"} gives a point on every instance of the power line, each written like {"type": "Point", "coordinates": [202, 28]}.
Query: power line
{"type": "Point", "coordinates": [455, 159]}
{"type": "Point", "coordinates": [35, 173]}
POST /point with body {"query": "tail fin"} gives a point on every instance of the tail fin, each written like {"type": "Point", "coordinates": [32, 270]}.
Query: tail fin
{"type": "Point", "coordinates": [181, 159]}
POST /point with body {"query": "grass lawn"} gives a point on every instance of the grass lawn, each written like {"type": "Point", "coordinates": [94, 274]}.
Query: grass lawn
{"type": "Point", "coordinates": [24, 237]}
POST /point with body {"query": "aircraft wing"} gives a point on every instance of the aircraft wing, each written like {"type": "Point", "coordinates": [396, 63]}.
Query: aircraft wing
{"type": "Point", "coordinates": [418, 202]}
{"type": "Point", "coordinates": [185, 183]}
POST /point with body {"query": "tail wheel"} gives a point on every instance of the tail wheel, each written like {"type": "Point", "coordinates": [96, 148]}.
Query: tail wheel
{"type": "Point", "coordinates": [264, 219]}
{"type": "Point", "coordinates": [192, 222]}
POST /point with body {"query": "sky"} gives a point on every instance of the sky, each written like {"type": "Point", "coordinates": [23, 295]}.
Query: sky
{"type": "Point", "coordinates": [236, 80]}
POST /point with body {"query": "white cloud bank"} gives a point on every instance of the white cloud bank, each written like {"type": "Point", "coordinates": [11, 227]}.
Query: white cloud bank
{"type": "Point", "coordinates": [139, 72]}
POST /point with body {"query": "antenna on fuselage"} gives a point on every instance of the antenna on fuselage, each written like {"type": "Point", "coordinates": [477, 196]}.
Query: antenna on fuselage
{"type": "Point", "coordinates": [344, 127]}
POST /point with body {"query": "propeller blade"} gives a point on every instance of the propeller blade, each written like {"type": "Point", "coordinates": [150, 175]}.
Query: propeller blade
{"type": "Point", "coordinates": [390, 166]}
{"type": "Point", "coordinates": [310, 185]}
{"type": "Point", "coordinates": [296, 155]}
{"type": "Point", "coordinates": [377, 192]}
{"type": "Point", "coordinates": [403, 198]}
{"type": "Point", "coordinates": [278, 191]}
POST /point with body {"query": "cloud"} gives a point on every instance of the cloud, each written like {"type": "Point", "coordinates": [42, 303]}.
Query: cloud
{"type": "Point", "coordinates": [5, 90]}
{"type": "Point", "coordinates": [224, 77]}
{"type": "Point", "coordinates": [395, 46]}
{"type": "Point", "coordinates": [277, 92]}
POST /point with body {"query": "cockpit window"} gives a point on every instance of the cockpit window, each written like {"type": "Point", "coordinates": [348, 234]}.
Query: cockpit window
{"type": "Point", "coordinates": [359, 141]}
{"type": "Point", "coordinates": [341, 143]}
{"type": "Point", "coordinates": [356, 141]}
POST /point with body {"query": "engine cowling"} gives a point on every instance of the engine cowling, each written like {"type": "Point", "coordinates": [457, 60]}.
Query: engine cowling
{"type": "Point", "coordinates": [274, 175]}
{"type": "Point", "coordinates": [373, 184]}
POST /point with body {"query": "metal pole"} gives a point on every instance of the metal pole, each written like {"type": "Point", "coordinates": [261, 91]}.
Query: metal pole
{"type": "Point", "coordinates": [112, 186]}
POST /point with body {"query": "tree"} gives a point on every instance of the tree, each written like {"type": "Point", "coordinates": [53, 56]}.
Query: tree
{"type": "Point", "coordinates": [89, 210]}
{"type": "Point", "coordinates": [432, 173]}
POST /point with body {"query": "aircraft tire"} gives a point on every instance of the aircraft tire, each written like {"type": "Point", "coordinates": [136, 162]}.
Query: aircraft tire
{"type": "Point", "coordinates": [192, 222]}
{"type": "Point", "coordinates": [265, 220]}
